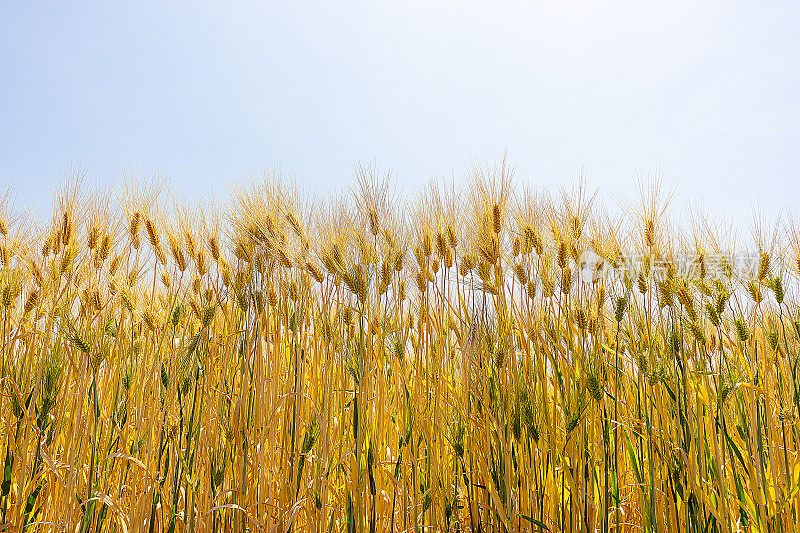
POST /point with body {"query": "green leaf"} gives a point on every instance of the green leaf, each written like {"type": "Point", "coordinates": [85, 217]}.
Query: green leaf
{"type": "Point", "coordinates": [535, 522]}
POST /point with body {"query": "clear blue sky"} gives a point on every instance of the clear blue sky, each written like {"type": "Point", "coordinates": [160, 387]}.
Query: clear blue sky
{"type": "Point", "coordinates": [706, 94]}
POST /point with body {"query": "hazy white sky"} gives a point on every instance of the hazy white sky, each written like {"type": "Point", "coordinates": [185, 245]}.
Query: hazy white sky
{"type": "Point", "coordinates": [704, 94]}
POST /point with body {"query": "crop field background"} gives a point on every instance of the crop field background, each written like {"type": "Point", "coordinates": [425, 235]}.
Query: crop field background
{"type": "Point", "coordinates": [478, 358]}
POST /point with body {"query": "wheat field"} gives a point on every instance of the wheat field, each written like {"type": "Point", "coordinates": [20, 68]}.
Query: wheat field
{"type": "Point", "coordinates": [485, 357]}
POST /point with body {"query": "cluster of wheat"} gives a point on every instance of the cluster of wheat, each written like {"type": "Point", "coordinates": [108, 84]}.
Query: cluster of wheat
{"type": "Point", "coordinates": [369, 365]}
